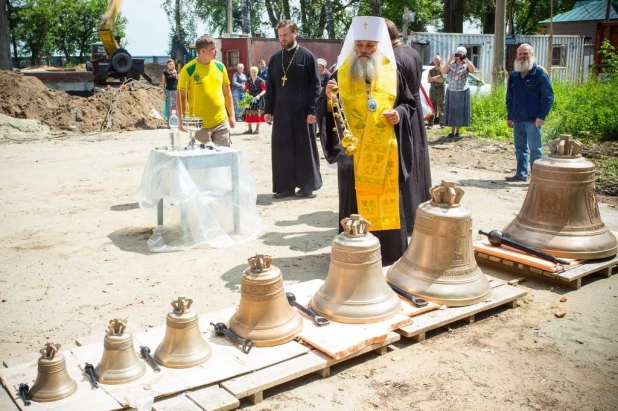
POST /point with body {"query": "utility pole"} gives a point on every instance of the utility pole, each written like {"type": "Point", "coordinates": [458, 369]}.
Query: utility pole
{"type": "Point", "coordinates": [375, 8]}
{"type": "Point", "coordinates": [5, 42]}
{"type": "Point", "coordinates": [550, 46]}
{"type": "Point", "coordinates": [180, 45]}
{"type": "Point", "coordinates": [246, 16]}
{"type": "Point", "coordinates": [228, 17]}
{"type": "Point", "coordinates": [406, 19]}
{"type": "Point", "coordinates": [499, 72]}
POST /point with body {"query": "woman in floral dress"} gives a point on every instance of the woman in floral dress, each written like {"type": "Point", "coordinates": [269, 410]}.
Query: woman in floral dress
{"type": "Point", "coordinates": [256, 87]}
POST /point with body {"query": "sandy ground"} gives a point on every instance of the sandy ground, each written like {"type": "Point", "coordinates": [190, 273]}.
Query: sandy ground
{"type": "Point", "coordinates": [74, 256]}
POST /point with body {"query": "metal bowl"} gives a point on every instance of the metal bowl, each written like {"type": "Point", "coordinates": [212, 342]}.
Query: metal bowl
{"type": "Point", "coordinates": [192, 123]}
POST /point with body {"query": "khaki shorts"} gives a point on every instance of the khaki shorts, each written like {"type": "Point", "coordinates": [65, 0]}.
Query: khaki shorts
{"type": "Point", "coordinates": [219, 135]}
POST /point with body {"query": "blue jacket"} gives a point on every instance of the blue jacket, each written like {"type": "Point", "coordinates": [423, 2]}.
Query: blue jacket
{"type": "Point", "coordinates": [530, 97]}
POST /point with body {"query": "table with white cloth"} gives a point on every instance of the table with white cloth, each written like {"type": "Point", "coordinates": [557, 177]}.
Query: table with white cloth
{"type": "Point", "coordinates": [211, 195]}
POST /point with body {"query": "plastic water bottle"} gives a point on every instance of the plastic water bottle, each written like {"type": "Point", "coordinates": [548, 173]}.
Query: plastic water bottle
{"type": "Point", "coordinates": [173, 122]}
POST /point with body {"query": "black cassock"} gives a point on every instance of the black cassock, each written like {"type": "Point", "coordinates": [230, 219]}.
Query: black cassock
{"type": "Point", "coordinates": [295, 157]}
{"type": "Point", "coordinates": [393, 243]}
{"type": "Point", "coordinates": [409, 63]}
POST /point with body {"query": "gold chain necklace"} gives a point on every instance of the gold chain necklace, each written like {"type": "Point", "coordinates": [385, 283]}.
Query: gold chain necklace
{"type": "Point", "coordinates": [285, 70]}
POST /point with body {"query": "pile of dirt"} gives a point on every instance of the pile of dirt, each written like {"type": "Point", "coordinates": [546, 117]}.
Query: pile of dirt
{"type": "Point", "coordinates": [155, 71]}
{"type": "Point", "coordinates": [26, 97]}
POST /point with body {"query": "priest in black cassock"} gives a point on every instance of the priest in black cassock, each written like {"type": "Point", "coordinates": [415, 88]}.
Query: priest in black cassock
{"type": "Point", "coordinates": [292, 89]}
{"type": "Point", "coordinates": [379, 108]}
{"type": "Point", "coordinates": [410, 64]}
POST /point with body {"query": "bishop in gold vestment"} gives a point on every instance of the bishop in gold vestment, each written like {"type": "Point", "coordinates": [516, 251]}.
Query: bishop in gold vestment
{"type": "Point", "coordinates": [378, 106]}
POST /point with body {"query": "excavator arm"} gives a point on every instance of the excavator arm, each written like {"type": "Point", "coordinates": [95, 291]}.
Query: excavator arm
{"type": "Point", "coordinates": [106, 28]}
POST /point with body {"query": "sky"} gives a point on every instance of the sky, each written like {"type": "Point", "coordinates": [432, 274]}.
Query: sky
{"type": "Point", "coordinates": [148, 28]}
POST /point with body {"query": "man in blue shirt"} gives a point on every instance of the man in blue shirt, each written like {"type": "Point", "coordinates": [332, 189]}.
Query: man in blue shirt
{"type": "Point", "coordinates": [263, 70]}
{"type": "Point", "coordinates": [529, 98]}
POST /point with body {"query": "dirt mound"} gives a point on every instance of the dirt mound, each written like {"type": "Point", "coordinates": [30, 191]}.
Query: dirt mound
{"type": "Point", "coordinates": [27, 97]}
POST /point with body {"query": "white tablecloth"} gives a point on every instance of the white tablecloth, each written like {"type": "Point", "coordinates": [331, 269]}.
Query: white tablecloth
{"type": "Point", "coordinates": [210, 196]}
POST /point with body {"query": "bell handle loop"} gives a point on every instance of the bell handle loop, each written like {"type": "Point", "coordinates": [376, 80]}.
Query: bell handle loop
{"type": "Point", "coordinates": [50, 350]}
{"type": "Point", "coordinates": [355, 225]}
{"type": "Point", "coordinates": [117, 326]}
{"type": "Point", "coordinates": [181, 305]}
{"type": "Point", "coordinates": [260, 262]}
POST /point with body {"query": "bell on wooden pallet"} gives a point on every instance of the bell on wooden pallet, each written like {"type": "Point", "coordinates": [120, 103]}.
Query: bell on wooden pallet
{"type": "Point", "coordinates": [439, 264]}
{"type": "Point", "coordinates": [183, 345]}
{"type": "Point", "coordinates": [119, 363]}
{"type": "Point", "coordinates": [560, 214]}
{"type": "Point", "coordinates": [355, 290]}
{"type": "Point", "coordinates": [53, 381]}
{"type": "Point", "coordinates": [264, 314]}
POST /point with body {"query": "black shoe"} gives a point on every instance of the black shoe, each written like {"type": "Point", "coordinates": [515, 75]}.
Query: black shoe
{"type": "Point", "coordinates": [283, 194]}
{"type": "Point", "coordinates": [457, 137]}
{"type": "Point", "coordinates": [515, 178]}
{"type": "Point", "coordinates": [304, 194]}
{"type": "Point", "coordinates": [450, 136]}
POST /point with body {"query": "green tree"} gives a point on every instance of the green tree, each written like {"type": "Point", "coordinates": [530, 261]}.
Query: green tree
{"type": "Point", "coordinates": [77, 23]}
{"type": "Point", "coordinates": [33, 28]}
{"type": "Point", "coordinates": [182, 18]}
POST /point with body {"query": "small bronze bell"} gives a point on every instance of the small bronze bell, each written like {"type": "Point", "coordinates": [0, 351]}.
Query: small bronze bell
{"type": "Point", "coordinates": [183, 345]}
{"type": "Point", "coordinates": [560, 214]}
{"type": "Point", "coordinates": [264, 314]}
{"type": "Point", "coordinates": [355, 290]}
{"type": "Point", "coordinates": [119, 363]}
{"type": "Point", "coordinates": [53, 381]}
{"type": "Point", "coordinates": [439, 264]}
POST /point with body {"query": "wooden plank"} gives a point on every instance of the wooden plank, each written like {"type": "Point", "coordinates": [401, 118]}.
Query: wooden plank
{"type": "Point", "coordinates": [177, 403]}
{"type": "Point", "coordinates": [97, 400]}
{"type": "Point", "coordinates": [227, 360]}
{"type": "Point", "coordinates": [6, 402]}
{"type": "Point", "coordinates": [314, 361]}
{"type": "Point", "coordinates": [339, 340]}
{"type": "Point", "coordinates": [568, 277]}
{"type": "Point", "coordinates": [510, 254]}
{"type": "Point", "coordinates": [436, 319]}
{"type": "Point", "coordinates": [214, 398]}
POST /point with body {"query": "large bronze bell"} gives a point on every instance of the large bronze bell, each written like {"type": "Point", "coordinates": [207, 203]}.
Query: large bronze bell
{"type": "Point", "coordinates": [119, 363]}
{"type": "Point", "coordinates": [53, 381]}
{"type": "Point", "coordinates": [439, 264]}
{"type": "Point", "coordinates": [264, 314]}
{"type": "Point", "coordinates": [183, 345]}
{"type": "Point", "coordinates": [560, 214]}
{"type": "Point", "coordinates": [355, 290]}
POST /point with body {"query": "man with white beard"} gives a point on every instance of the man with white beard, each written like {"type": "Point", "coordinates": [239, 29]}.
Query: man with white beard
{"type": "Point", "coordinates": [529, 98]}
{"type": "Point", "coordinates": [378, 107]}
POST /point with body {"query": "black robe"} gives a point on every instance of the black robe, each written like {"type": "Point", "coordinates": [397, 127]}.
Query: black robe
{"type": "Point", "coordinates": [393, 243]}
{"type": "Point", "coordinates": [410, 64]}
{"type": "Point", "coordinates": [295, 156]}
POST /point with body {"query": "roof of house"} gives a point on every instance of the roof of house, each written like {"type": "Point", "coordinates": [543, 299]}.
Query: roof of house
{"type": "Point", "coordinates": [593, 10]}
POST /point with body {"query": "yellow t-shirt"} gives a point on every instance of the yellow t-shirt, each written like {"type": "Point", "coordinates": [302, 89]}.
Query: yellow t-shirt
{"type": "Point", "coordinates": [204, 86]}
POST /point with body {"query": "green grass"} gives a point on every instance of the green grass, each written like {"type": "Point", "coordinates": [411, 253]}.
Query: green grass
{"type": "Point", "coordinates": [588, 111]}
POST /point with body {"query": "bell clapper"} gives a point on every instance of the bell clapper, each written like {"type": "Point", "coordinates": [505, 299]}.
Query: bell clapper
{"type": "Point", "coordinates": [319, 321]}
{"type": "Point", "coordinates": [24, 391]}
{"type": "Point", "coordinates": [496, 238]}
{"type": "Point", "coordinates": [146, 354]}
{"type": "Point", "coordinates": [246, 343]}
{"type": "Point", "coordinates": [417, 301]}
{"type": "Point", "coordinates": [89, 368]}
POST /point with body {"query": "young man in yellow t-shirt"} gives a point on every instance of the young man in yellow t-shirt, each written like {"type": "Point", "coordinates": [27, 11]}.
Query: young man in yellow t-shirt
{"type": "Point", "coordinates": [204, 91]}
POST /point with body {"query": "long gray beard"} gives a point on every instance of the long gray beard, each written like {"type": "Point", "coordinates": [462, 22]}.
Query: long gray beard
{"type": "Point", "coordinates": [365, 71]}
{"type": "Point", "coordinates": [523, 66]}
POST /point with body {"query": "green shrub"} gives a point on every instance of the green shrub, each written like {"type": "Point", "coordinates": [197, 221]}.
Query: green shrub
{"type": "Point", "coordinates": [488, 118]}
{"type": "Point", "coordinates": [588, 111]}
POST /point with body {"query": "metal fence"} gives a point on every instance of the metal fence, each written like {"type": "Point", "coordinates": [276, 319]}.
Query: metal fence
{"type": "Point", "coordinates": [481, 51]}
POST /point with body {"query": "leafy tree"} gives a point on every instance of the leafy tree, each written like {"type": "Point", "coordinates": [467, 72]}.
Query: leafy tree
{"type": "Point", "coordinates": [182, 18]}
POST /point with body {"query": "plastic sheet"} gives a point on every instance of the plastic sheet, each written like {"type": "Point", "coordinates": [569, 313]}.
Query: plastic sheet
{"type": "Point", "coordinates": [209, 198]}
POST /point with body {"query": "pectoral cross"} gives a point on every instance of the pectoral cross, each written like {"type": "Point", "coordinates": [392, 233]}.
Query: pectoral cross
{"type": "Point", "coordinates": [283, 80]}
{"type": "Point", "coordinates": [365, 26]}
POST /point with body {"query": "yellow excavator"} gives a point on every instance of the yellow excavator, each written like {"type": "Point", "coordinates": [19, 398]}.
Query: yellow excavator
{"type": "Point", "coordinates": [108, 58]}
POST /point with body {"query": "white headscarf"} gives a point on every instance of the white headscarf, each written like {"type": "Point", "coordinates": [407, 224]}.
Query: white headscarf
{"type": "Point", "coordinates": [367, 28]}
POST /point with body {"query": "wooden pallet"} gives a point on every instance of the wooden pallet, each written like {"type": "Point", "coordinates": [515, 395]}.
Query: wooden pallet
{"type": "Point", "coordinates": [567, 277]}
{"type": "Point", "coordinates": [500, 294]}
{"type": "Point", "coordinates": [225, 394]}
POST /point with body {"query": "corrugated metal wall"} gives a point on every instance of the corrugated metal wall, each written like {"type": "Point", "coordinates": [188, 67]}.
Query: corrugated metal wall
{"type": "Point", "coordinates": [445, 44]}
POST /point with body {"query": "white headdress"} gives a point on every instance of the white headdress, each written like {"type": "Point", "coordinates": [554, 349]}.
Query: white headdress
{"type": "Point", "coordinates": [367, 28]}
